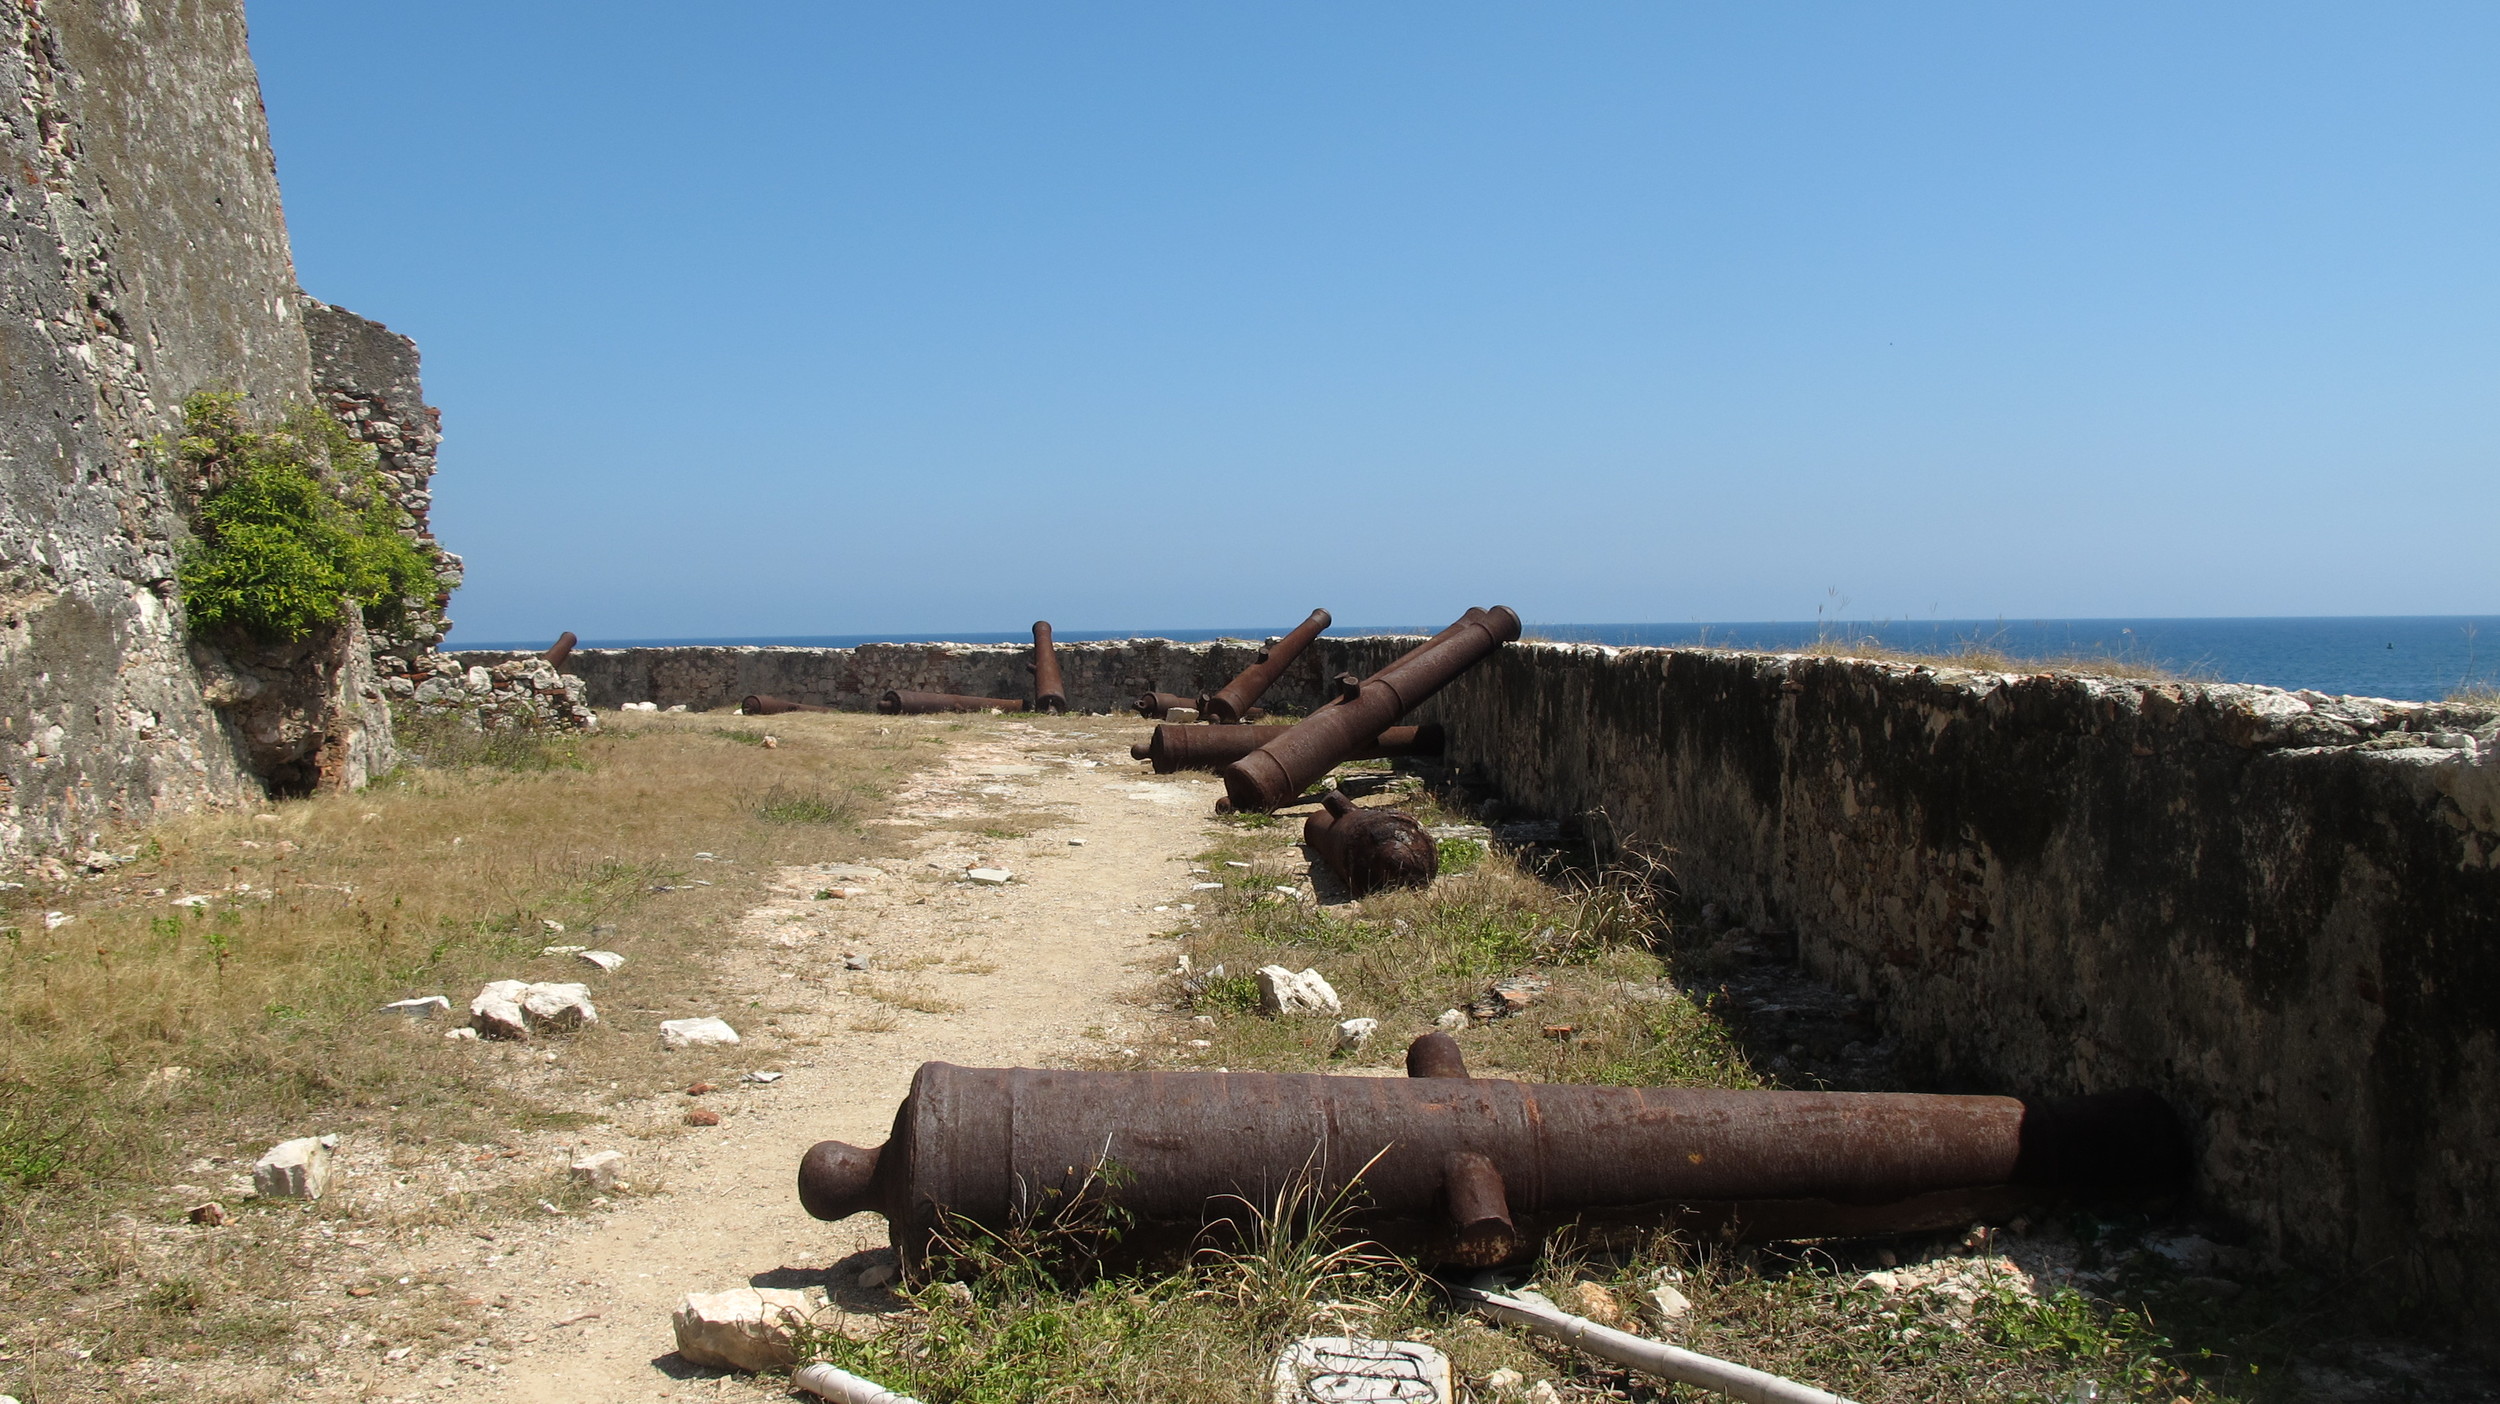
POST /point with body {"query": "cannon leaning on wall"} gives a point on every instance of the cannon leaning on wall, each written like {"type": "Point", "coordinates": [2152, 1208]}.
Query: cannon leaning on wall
{"type": "Point", "coordinates": [1049, 693]}
{"type": "Point", "coordinates": [1232, 701]}
{"type": "Point", "coordinates": [914, 704]}
{"type": "Point", "coordinates": [1214, 747]}
{"type": "Point", "coordinates": [1279, 771]}
{"type": "Point", "coordinates": [1470, 1170]}
{"type": "Point", "coordinates": [561, 649]}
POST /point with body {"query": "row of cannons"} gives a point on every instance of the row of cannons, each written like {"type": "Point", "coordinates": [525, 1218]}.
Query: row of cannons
{"type": "Point", "coordinates": [1267, 767]}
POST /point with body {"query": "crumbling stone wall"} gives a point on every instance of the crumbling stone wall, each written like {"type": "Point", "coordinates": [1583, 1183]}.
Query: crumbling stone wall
{"type": "Point", "coordinates": [2280, 910]}
{"type": "Point", "coordinates": [525, 693]}
{"type": "Point", "coordinates": [143, 258]}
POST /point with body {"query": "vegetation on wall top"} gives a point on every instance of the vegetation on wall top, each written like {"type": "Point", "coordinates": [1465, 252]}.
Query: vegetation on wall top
{"type": "Point", "coordinates": [292, 523]}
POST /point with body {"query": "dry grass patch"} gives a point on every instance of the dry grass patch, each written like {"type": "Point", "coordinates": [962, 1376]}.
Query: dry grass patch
{"type": "Point", "coordinates": [252, 951]}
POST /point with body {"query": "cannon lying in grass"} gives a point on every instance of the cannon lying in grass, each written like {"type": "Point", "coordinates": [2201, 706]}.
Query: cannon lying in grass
{"type": "Point", "coordinates": [1279, 771]}
{"type": "Point", "coordinates": [1152, 705]}
{"type": "Point", "coordinates": [913, 704]}
{"type": "Point", "coordinates": [1462, 1170]}
{"type": "Point", "coordinates": [1214, 747]}
{"type": "Point", "coordinates": [1049, 693]}
{"type": "Point", "coordinates": [1370, 850]}
{"type": "Point", "coordinates": [1232, 701]}
{"type": "Point", "coordinates": [758, 704]}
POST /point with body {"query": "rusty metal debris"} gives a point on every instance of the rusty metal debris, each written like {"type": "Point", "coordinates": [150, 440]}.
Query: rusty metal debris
{"type": "Point", "coordinates": [758, 704]}
{"type": "Point", "coordinates": [562, 648]}
{"type": "Point", "coordinates": [912, 704]}
{"type": "Point", "coordinates": [1049, 693]}
{"type": "Point", "coordinates": [1231, 702]}
{"type": "Point", "coordinates": [1471, 1170]}
{"type": "Point", "coordinates": [1152, 705]}
{"type": "Point", "coordinates": [1214, 747]}
{"type": "Point", "coordinates": [1280, 770]}
{"type": "Point", "coordinates": [1370, 850]}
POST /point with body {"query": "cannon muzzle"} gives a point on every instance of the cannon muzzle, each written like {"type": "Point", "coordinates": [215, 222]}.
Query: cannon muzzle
{"type": "Point", "coordinates": [1232, 701]}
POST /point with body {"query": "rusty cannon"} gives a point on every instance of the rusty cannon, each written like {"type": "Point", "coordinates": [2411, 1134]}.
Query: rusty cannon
{"type": "Point", "coordinates": [758, 704]}
{"type": "Point", "coordinates": [1232, 701]}
{"type": "Point", "coordinates": [562, 648]}
{"type": "Point", "coordinates": [1214, 747]}
{"type": "Point", "coordinates": [1473, 1171]}
{"type": "Point", "coordinates": [1280, 770]}
{"type": "Point", "coordinates": [1049, 693]}
{"type": "Point", "coordinates": [1152, 705]}
{"type": "Point", "coordinates": [915, 704]}
{"type": "Point", "coordinates": [1369, 850]}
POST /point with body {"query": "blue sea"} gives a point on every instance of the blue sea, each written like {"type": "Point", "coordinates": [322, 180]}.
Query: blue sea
{"type": "Point", "coordinates": [2409, 657]}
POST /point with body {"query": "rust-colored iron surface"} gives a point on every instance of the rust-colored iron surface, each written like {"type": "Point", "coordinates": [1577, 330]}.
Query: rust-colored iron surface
{"type": "Point", "coordinates": [1214, 747]}
{"type": "Point", "coordinates": [1152, 705]}
{"type": "Point", "coordinates": [1279, 771]}
{"type": "Point", "coordinates": [912, 704]}
{"type": "Point", "coordinates": [1370, 850]}
{"type": "Point", "coordinates": [562, 648]}
{"type": "Point", "coordinates": [996, 1145]}
{"type": "Point", "coordinates": [1049, 694]}
{"type": "Point", "coordinates": [1231, 702]}
{"type": "Point", "coordinates": [757, 704]}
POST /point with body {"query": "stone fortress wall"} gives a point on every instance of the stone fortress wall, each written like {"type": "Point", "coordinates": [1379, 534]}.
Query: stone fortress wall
{"type": "Point", "coordinates": [2280, 910]}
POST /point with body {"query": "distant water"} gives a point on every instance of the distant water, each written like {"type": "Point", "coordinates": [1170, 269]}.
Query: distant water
{"type": "Point", "coordinates": [2410, 657]}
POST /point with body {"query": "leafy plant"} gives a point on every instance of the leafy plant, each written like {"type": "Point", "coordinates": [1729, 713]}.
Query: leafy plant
{"type": "Point", "coordinates": [292, 524]}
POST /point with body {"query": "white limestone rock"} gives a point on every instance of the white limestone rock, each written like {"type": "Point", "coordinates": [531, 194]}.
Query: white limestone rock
{"type": "Point", "coordinates": [697, 1033]}
{"type": "Point", "coordinates": [496, 1012]}
{"type": "Point", "coordinates": [1283, 992]}
{"type": "Point", "coordinates": [605, 960]}
{"type": "Point", "coordinates": [1354, 1370]}
{"type": "Point", "coordinates": [422, 1007]}
{"type": "Point", "coordinates": [1451, 1021]}
{"type": "Point", "coordinates": [558, 1008]}
{"type": "Point", "coordinates": [599, 1171]}
{"type": "Point", "coordinates": [993, 877]}
{"type": "Point", "coordinates": [1354, 1033]}
{"type": "Point", "coordinates": [297, 1169]}
{"type": "Point", "coordinates": [744, 1328]}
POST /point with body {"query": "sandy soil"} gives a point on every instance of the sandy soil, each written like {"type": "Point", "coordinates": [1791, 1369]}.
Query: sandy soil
{"type": "Point", "coordinates": [1047, 969]}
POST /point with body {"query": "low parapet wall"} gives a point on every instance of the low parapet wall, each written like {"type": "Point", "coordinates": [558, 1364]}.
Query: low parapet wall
{"type": "Point", "coordinates": [2280, 910]}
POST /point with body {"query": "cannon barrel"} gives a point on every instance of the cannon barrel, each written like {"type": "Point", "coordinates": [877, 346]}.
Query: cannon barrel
{"type": "Point", "coordinates": [1370, 849]}
{"type": "Point", "coordinates": [1179, 1150]}
{"type": "Point", "coordinates": [1214, 747]}
{"type": "Point", "coordinates": [1232, 701]}
{"type": "Point", "coordinates": [1049, 693]}
{"type": "Point", "coordinates": [758, 704]}
{"type": "Point", "coordinates": [913, 704]}
{"type": "Point", "coordinates": [562, 648]}
{"type": "Point", "coordinates": [1280, 770]}
{"type": "Point", "coordinates": [1152, 705]}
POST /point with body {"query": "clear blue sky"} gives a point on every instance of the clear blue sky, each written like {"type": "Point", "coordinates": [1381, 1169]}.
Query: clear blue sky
{"type": "Point", "coordinates": [825, 318]}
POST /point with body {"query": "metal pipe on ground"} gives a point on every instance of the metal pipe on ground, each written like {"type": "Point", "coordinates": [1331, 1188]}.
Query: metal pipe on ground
{"type": "Point", "coordinates": [1152, 705]}
{"type": "Point", "coordinates": [1370, 850]}
{"type": "Point", "coordinates": [758, 704]}
{"type": "Point", "coordinates": [1232, 701]}
{"type": "Point", "coordinates": [913, 704]}
{"type": "Point", "coordinates": [1649, 1357]}
{"type": "Point", "coordinates": [1049, 693]}
{"type": "Point", "coordinates": [992, 1144]}
{"type": "Point", "coordinates": [1282, 769]}
{"type": "Point", "coordinates": [562, 648]}
{"type": "Point", "coordinates": [1174, 748]}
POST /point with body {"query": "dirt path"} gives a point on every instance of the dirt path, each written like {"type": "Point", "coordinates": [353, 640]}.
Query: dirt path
{"type": "Point", "coordinates": [1044, 969]}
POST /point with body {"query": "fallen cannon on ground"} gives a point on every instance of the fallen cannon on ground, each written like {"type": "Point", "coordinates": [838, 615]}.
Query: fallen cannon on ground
{"type": "Point", "coordinates": [1049, 693]}
{"type": "Point", "coordinates": [1370, 850]}
{"type": "Point", "coordinates": [1214, 747]}
{"type": "Point", "coordinates": [1467, 1171]}
{"type": "Point", "coordinates": [758, 704]}
{"type": "Point", "coordinates": [1152, 705]}
{"type": "Point", "coordinates": [913, 704]}
{"type": "Point", "coordinates": [1232, 701]}
{"type": "Point", "coordinates": [1279, 771]}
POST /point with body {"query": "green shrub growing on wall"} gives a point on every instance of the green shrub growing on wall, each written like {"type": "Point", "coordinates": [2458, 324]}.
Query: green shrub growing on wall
{"type": "Point", "coordinates": [292, 522]}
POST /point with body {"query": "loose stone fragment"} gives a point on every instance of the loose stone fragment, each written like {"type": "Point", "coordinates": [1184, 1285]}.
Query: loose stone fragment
{"type": "Point", "coordinates": [1354, 1033]}
{"type": "Point", "coordinates": [1283, 992]}
{"type": "Point", "coordinates": [605, 960]}
{"type": "Point", "coordinates": [422, 1007]}
{"type": "Point", "coordinates": [297, 1169]}
{"type": "Point", "coordinates": [1353, 1370]}
{"type": "Point", "coordinates": [744, 1328]}
{"type": "Point", "coordinates": [599, 1171]}
{"type": "Point", "coordinates": [696, 1033]}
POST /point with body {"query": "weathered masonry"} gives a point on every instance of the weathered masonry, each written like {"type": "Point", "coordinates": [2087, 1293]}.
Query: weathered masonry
{"type": "Point", "coordinates": [2280, 910]}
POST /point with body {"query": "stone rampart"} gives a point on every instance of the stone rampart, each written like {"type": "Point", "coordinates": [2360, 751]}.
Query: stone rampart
{"type": "Point", "coordinates": [2281, 910]}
